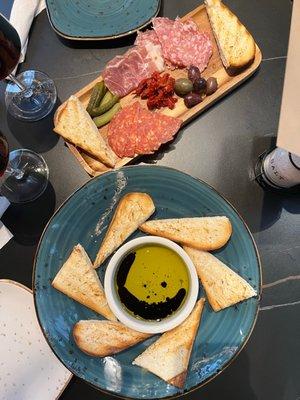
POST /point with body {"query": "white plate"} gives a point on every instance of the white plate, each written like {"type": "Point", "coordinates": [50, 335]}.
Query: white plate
{"type": "Point", "coordinates": [28, 368]}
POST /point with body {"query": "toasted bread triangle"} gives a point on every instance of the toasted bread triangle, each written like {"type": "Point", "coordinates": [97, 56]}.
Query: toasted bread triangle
{"type": "Point", "coordinates": [236, 45]}
{"type": "Point", "coordinates": [205, 233]}
{"type": "Point", "coordinates": [133, 209]}
{"type": "Point", "coordinates": [78, 280]}
{"type": "Point", "coordinates": [76, 126]}
{"type": "Point", "coordinates": [222, 285]}
{"type": "Point", "coordinates": [104, 338]}
{"type": "Point", "coordinates": [169, 356]}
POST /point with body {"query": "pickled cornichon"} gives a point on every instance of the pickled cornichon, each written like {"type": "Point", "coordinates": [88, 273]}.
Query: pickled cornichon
{"type": "Point", "coordinates": [108, 101]}
{"type": "Point", "coordinates": [97, 95]}
{"type": "Point", "coordinates": [107, 117]}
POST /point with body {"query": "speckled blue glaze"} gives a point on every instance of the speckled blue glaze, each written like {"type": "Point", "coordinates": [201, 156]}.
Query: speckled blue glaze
{"type": "Point", "coordinates": [83, 219]}
{"type": "Point", "coordinates": [100, 19]}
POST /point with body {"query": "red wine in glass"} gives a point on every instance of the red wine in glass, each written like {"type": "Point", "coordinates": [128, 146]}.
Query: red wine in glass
{"type": "Point", "coordinates": [10, 48]}
{"type": "Point", "coordinates": [4, 154]}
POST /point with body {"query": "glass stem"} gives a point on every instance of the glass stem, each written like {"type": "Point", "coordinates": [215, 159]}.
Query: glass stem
{"type": "Point", "coordinates": [27, 92]}
{"type": "Point", "coordinates": [16, 81]}
{"type": "Point", "coordinates": [17, 173]}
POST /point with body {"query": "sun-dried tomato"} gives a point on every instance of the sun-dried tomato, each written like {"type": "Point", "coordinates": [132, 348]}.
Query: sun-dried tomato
{"type": "Point", "coordinates": [159, 90]}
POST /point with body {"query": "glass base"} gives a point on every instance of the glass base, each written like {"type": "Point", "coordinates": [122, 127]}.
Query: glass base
{"type": "Point", "coordinates": [36, 101]}
{"type": "Point", "coordinates": [26, 177]}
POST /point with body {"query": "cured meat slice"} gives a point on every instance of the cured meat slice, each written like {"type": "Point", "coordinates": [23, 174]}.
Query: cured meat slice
{"type": "Point", "coordinates": [125, 121]}
{"type": "Point", "coordinates": [147, 141]}
{"type": "Point", "coordinates": [135, 130]}
{"type": "Point", "coordinates": [123, 73]}
{"type": "Point", "coordinates": [147, 36]}
{"type": "Point", "coordinates": [182, 43]}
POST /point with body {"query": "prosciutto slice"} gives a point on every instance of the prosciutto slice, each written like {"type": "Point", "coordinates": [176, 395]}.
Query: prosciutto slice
{"type": "Point", "coordinates": [123, 73]}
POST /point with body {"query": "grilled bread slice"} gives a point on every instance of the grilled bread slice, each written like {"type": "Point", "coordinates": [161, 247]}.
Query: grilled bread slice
{"type": "Point", "coordinates": [104, 338]}
{"type": "Point", "coordinates": [205, 233]}
{"type": "Point", "coordinates": [223, 286]}
{"type": "Point", "coordinates": [169, 356]}
{"type": "Point", "coordinates": [236, 45]}
{"type": "Point", "coordinates": [76, 126]}
{"type": "Point", "coordinates": [78, 280]}
{"type": "Point", "coordinates": [133, 209]}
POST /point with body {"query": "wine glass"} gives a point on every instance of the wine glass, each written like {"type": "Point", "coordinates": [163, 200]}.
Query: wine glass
{"type": "Point", "coordinates": [23, 174]}
{"type": "Point", "coordinates": [31, 95]}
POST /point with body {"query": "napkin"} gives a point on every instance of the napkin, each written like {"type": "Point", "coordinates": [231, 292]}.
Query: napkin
{"type": "Point", "coordinates": [5, 234]}
{"type": "Point", "coordinates": [21, 17]}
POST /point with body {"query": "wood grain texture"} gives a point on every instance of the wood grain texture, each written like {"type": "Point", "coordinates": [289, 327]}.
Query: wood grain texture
{"type": "Point", "coordinates": [215, 68]}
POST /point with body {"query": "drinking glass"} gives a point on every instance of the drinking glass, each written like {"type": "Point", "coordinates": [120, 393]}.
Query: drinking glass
{"type": "Point", "coordinates": [23, 174]}
{"type": "Point", "coordinates": [31, 95]}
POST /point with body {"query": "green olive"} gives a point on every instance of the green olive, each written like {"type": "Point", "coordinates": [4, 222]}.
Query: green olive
{"type": "Point", "coordinates": [183, 86]}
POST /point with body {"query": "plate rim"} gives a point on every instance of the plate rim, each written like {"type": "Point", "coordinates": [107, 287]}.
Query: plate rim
{"type": "Point", "coordinates": [217, 373]}
{"type": "Point", "coordinates": [100, 38]}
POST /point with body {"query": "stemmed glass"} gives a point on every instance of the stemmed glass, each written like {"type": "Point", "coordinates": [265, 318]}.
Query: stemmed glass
{"type": "Point", "coordinates": [23, 174]}
{"type": "Point", "coordinates": [30, 96]}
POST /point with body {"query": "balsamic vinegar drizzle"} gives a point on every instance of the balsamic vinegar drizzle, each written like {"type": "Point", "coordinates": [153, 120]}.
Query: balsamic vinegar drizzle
{"type": "Point", "coordinates": [149, 311]}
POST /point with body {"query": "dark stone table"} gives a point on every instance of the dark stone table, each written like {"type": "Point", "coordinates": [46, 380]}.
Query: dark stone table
{"type": "Point", "coordinates": [219, 147]}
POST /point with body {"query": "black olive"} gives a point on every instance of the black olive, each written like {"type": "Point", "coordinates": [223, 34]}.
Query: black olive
{"type": "Point", "coordinates": [200, 86]}
{"type": "Point", "coordinates": [192, 99]}
{"type": "Point", "coordinates": [212, 85]}
{"type": "Point", "coordinates": [193, 73]}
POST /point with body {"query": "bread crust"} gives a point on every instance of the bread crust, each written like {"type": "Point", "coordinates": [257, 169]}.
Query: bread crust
{"type": "Point", "coordinates": [236, 45]}
{"type": "Point", "coordinates": [104, 338]}
{"type": "Point", "coordinates": [85, 133]}
{"type": "Point", "coordinates": [223, 286]}
{"type": "Point", "coordinates": [169, 356]}
{"type": "Point", "coordinates": [78, 280]}
{"type": "Point", "coordinates": [204, 233]}
{"type": "Point", "coordinates": [132, 210]}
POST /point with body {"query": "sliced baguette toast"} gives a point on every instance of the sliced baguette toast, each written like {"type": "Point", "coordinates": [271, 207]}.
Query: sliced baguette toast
{"type": "Point", "coordinates": [78, 280]}
{"type": "Point", "coordinates": [76, 126]}
{"type": "Point", "coordinates": [205, 233]}
{"type": "Point", "coordinates": [104, 338]}
{"type": "Point", "coordinates": [223, 286]}
{"type": "Point", "coordinates": [236, 45]}
{"type": "Point", "coordinates": [169, 356]}
{"type": "Point", "coordinates": [133, 209]}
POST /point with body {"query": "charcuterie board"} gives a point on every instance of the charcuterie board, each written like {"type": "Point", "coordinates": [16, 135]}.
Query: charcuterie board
{"type": "Point", "coordinates": [215, 68]}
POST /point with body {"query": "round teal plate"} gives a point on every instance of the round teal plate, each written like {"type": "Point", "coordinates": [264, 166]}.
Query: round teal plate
{"type": "Point", "coordinates": [84, 218]}
{"type": "Point", "coordinates": [100, 19]}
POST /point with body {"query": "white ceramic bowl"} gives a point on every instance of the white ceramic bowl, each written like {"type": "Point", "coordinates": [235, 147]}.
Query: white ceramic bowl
{"type": "Point", "coordinates": [119, 310]}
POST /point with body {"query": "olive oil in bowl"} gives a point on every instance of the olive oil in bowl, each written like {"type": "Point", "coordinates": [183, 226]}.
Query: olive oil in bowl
{"type": "Point", "coordinates": [152, 282]}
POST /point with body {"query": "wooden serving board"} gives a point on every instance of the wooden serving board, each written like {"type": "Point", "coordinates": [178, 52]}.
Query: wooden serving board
{"type": "Point", "coordinates": [226, 83]}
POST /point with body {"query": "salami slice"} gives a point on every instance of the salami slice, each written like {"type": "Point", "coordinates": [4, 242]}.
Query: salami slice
{"type": "Point", "coordinates": [122, 129]}
{"type": "Point", "coordinates": [135, 130]}
{"type": "Point", "coordinates": [182, 43]}
{"type": "Point", "coordinates": [145, 37]}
